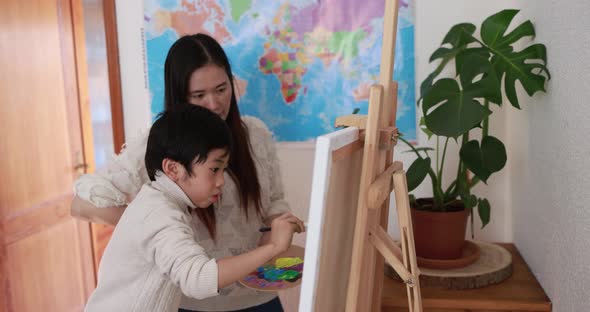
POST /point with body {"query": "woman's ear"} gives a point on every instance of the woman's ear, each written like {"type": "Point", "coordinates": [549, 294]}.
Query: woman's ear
{"type": "Point", "coordinates": [172, 169]}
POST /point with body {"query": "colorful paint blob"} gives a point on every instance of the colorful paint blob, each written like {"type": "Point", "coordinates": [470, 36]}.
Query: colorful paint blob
{"type": "Point", "coordinates": [280, 275]}
{"type": "Point", "coordinates": [287, 262]}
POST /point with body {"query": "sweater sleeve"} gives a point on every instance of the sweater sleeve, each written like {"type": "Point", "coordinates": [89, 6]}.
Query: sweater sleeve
{"type": "Point", "coordinates": [167, 239]}
{"type": "Point", "coordinates": [121, 179]}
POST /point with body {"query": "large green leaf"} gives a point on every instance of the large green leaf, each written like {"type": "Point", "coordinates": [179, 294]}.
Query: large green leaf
{"type": "Point", "coordinates": [456, 40]}
{"type": "Point", "coordinates": [417, 172]}
{"type": "Point", "coordinates": [425, 129]}
{"type": "Point", "coordinates": [484, 160]}
{"type": "Point", "coordinates": [477, 75]}
{"type": "Point", "coordinates": [450, 111]}
{"type": "Point", "coordinates": [527, 66]}
{"type": "Point", "coordinates": [458, 37]}
{"type": "Point", "coordinates": [494, 153]}
{"type": "Point", "coordinates": [530, 75]}
{"type": "Point", "coordinates": [471, 155]}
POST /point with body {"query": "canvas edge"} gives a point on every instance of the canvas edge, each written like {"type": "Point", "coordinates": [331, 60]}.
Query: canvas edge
{"type": "Point", "coordinates": [325, 145]}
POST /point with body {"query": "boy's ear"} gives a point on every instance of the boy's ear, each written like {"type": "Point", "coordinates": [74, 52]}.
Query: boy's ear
{"type": "Point", "coordinates": [172, 169]}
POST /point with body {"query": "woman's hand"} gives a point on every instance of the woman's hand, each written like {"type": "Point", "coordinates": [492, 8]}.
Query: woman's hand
{"type": "Point", "coordinates": [233, 268]}
{"type": "Point", "coordinates": [282, 229]}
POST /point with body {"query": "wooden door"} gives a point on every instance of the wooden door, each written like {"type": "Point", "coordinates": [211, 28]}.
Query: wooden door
{"type": "Point", "coordinates": [45, 255]}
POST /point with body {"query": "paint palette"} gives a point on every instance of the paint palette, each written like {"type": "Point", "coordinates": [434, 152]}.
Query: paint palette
{"type": "Point", "coordinates": [281, 272]}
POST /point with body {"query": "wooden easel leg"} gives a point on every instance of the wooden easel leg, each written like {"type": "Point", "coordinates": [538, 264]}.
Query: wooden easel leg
{"type": "Point", "coordinates": [389, 119]}
{"type": "Point", "coordinates": [380, 265]}
{"type": "Point", "coordinates": [400, 187]}
{"type": "Point", "coordinates": [360, 282]}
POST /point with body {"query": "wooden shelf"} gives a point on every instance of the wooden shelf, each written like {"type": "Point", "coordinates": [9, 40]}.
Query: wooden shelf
{"type": "Point", "coordinates": [520, 292]}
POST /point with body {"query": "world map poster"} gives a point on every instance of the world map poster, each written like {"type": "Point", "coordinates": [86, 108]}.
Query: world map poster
{"type": "Point", "coordinates": [298, 64]}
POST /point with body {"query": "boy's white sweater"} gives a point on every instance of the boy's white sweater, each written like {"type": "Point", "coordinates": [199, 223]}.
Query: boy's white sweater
{"type": "Point", "coordinates": [152, 257]}
{"type": "Point", "coordinates": [119, 182]}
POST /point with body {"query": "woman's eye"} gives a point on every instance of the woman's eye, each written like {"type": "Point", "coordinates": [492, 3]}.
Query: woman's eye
{"type": "Point", "coordinates": [220, 90]}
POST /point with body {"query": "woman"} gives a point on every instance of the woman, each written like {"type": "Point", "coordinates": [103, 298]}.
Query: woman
{"type": "Point", "coordinates": [197, 70]}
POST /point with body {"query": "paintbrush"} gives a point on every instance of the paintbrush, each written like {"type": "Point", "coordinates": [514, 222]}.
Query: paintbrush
{"type": "Point", "coordinates": [268, 228]}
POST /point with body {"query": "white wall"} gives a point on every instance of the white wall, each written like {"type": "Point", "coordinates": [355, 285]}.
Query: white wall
{"type": "Point", "coordinates": [550, 170]}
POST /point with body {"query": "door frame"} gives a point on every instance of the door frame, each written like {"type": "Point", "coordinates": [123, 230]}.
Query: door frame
{"type": "Point", "coordinates": [114, 72]}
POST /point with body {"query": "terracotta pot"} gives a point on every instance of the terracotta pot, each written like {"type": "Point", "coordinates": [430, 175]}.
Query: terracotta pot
{"type": "Point", "coordinates": [439, 235]}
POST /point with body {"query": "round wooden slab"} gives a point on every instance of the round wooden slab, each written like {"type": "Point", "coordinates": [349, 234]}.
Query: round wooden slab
{"type": "Point", "coordinates": [251, 281]}
{"type": "Point", "coordinates": [469, 255]}
{"type": "Point", "coordinates": [493, 266]}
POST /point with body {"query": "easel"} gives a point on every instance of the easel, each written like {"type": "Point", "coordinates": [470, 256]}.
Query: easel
{"type": "Point", "coordinates": [379, 176]}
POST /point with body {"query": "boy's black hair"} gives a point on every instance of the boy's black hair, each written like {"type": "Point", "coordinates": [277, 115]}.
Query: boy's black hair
{"type": "Point", "coordinates": [185, 134]}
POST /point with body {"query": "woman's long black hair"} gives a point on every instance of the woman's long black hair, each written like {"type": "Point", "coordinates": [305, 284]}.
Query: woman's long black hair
{"type": "Point", "coordinates": [186, 55]}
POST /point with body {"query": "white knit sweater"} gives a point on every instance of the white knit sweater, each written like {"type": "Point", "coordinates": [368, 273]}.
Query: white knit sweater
{"type": "Point", "coordinates": [121, 180]}
{"type": "Point", "coordinates": [152, 256]}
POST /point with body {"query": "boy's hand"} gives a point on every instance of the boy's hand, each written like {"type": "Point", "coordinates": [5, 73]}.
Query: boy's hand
{"type": "Point", "coordinates": [282, 231]}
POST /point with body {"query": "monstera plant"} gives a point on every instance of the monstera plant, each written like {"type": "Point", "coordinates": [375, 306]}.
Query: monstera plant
{"type": "Point", "coordinates": [456, 107]}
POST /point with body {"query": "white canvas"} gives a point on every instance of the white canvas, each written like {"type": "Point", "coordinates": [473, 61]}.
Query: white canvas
{"type": "Point", "coordinates": [325, 145]}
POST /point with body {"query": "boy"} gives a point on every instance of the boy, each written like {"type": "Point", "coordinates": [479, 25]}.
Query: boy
{"type": "Point", "coordinates": [152, 256]}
